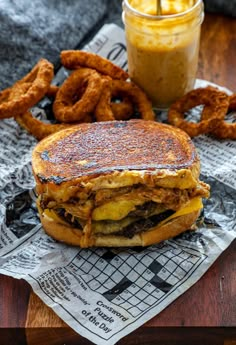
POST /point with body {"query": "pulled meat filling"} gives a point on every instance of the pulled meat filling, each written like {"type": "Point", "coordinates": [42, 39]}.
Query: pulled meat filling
{"type": "Point", "coordinates": [69, 218]}
{"type": "Point", "coordinates": [140, 208]}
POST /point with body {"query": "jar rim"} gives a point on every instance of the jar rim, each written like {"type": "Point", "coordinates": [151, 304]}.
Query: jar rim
{"type": "Point", "coordinates": [161, 17]}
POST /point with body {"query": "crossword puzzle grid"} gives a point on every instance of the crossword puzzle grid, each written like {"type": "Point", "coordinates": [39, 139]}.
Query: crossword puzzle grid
{"type": "Point", "coordinates": [134, 280]}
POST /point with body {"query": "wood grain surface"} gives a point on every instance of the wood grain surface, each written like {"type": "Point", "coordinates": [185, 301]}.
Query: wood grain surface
{"type": "Point", "coordinates": [205, 314]}
{"type": "Point", "coordinates": [217, 61]}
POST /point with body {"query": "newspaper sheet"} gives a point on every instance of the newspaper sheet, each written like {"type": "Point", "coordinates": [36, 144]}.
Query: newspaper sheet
{"type": "Point", "coordinates": [104, 294]}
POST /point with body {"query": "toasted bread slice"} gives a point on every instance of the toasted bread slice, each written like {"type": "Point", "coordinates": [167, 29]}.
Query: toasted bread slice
{"type": "Point", "coordinates": [116, 154]}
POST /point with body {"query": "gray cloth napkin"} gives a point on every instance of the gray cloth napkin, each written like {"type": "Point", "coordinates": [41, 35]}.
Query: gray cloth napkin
{"type": "Point", "coordinates": [226, 7]}
{"type": "Point", "coordinates": [31, 29]}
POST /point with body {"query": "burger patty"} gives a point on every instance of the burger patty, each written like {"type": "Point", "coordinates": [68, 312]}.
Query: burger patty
{"type": "Point", "coordinates": [143, 224]}
{"type": "Point", "coordinates": [142, 219]}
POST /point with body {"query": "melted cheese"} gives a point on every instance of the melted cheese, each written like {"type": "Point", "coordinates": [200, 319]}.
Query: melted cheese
{"type": "Point", "coordinates": [113, 226]}
{"type": "Point", "coordinates": [115, 210]}
{"type": "Point", "coordinates": [193, 205]}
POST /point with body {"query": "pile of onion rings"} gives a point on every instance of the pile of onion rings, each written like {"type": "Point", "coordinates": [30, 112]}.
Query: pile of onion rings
{"type": "Point", "coordinates": [98, 90]}
{"type": "Point", "coordinates": [216, 105]}
{"type": "Point", "coordinates": [95, 90]}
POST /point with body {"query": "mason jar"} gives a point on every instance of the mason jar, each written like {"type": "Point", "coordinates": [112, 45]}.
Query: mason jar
{"type": "Point", "coordinates": [163, 49]}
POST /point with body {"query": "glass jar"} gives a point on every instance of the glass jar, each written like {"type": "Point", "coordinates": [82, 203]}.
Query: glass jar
{"type": "Point", "coordinates": [163, 49]}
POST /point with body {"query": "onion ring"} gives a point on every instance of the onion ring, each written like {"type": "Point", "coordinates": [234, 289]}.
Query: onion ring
{"type": "Point", "coordinates": [123, 109]}
{"type": "Point", "coordinates": [40, 129]}
{"type": "Point", "coordinates": [36, 127]}
{"type": "Point", "coordinates": [5, 94]}
{"type": "Point", "coordinates": [120, 88]}
{"type": "Point", "coordinates": [215, 101]}
{"type": "Point", "coordinates": [225, 130]}
{"type": "Point", "coordinates": [52, 91]}
{"type": "Point", "coordinates": [103, 110]}
{"type": "Point", "coordinates": [232, 104]}
{"type": "Point", "coordinates": [69, 105]}
{"type": "Point", "coordinates": [137, 96]}
{"type": "Point", "coordinates": [37, 80]}
{"type": "Point", "coordinates": [107, 110]}
{"type": "Point", "coordinates": [72, 59]}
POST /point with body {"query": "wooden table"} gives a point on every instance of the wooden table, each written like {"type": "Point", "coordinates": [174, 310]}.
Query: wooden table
{"type": "Point", "coordinates": [205, 314]}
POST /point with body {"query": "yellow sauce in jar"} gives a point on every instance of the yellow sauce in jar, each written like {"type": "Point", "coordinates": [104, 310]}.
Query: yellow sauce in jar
{"type": "Point", "coordinates": [163, 50]}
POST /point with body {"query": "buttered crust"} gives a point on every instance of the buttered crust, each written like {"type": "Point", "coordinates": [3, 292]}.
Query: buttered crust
{"type": "Point", "coordinates": [113, 155]}
{"type": "Point", "coordinates": [74, 236]}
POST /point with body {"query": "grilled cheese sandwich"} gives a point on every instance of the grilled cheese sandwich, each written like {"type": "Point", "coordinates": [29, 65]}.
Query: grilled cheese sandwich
{"type": "Point", "coordinates": [119, 183]}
